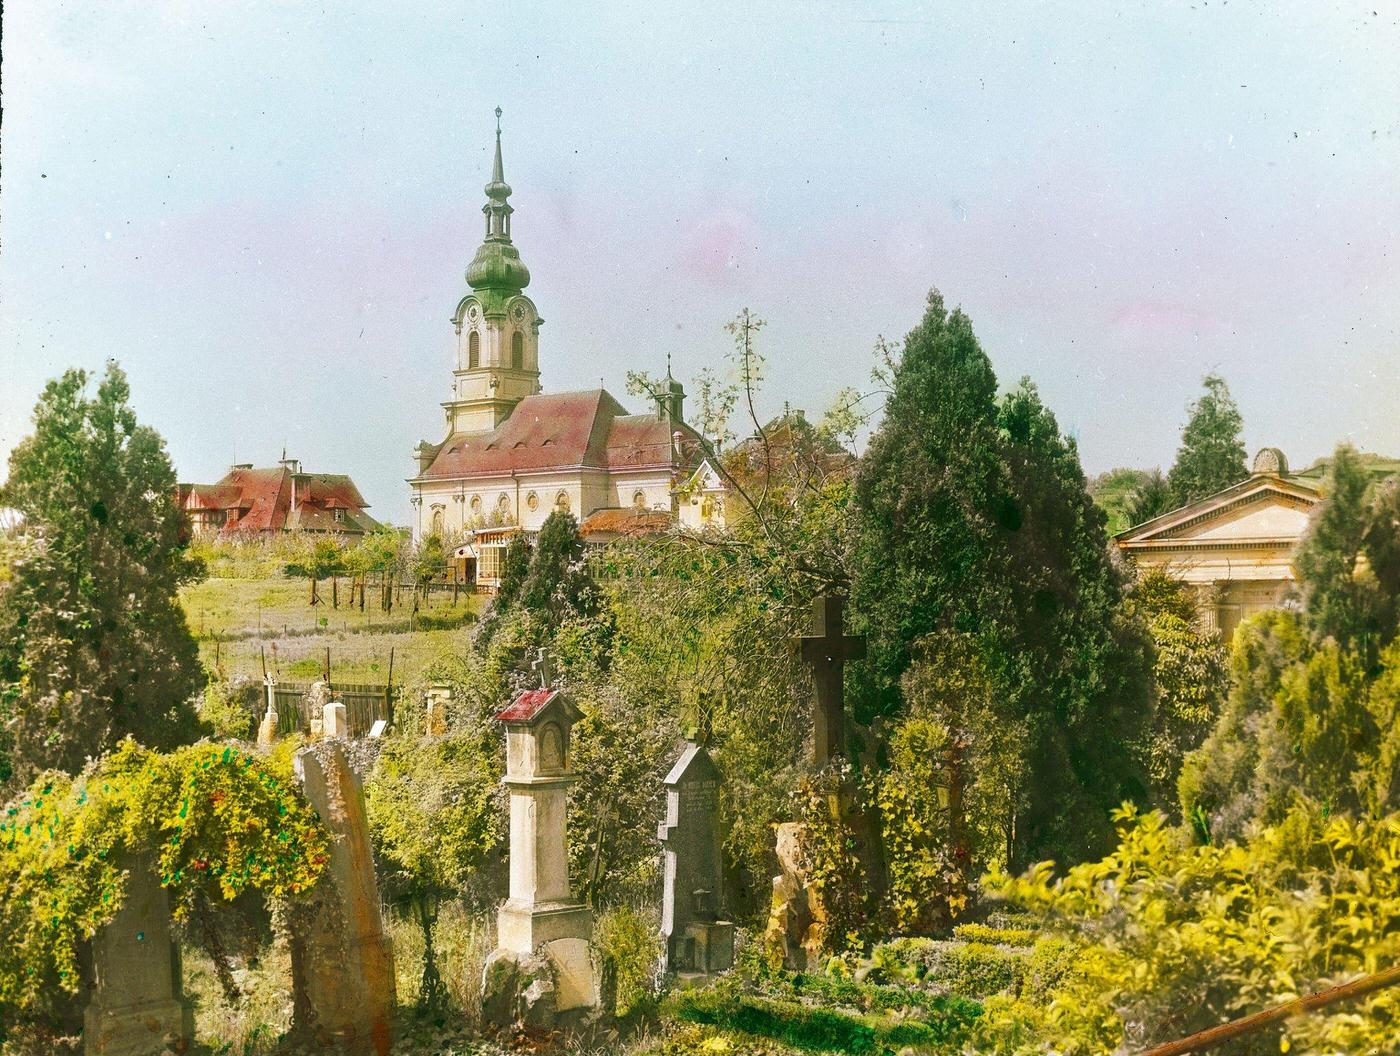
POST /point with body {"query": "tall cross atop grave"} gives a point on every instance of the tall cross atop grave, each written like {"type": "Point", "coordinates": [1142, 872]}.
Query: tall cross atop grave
{"type": "Point", "coordinates": [544, 664]}
{"type": "Point", "coordinates": [827, 648]}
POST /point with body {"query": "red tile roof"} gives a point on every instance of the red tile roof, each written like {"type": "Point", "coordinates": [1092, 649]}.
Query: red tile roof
{"type": "Point", "coordinates": [563, 430]}
{"type": "Point", "coordinates": [260, 500]}
{"type": "Point", "coordinates": [527, 705]}
{"type": "Point", "coordinates": [629, 521]}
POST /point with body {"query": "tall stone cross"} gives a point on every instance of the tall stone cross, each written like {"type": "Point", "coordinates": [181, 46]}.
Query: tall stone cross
{"type": "Point", "coordinates": [827, 648]}
{"type": "Point", "coordinates": [544, 664]}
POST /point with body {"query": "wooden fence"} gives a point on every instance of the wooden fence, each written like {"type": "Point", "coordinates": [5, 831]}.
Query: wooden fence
{"type": "Point", "coordinates": [364, 703]}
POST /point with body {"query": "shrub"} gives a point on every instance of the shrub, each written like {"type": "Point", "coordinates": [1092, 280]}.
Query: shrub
{"type": "Point", "coordinates": [224, 709]}
{"type": "Point", "coordinates": [972, 968]}
{"type": "Point", "coordinates": [994, 936]}
{"type": "Point", "coordinates": [629, 945]}
{"type": "Point", "coordinates": [785, 1021]}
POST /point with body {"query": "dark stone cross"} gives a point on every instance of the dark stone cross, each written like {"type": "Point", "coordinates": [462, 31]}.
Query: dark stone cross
{"type": "Point", "coordinates": [827, 648]}
{"type": "Point", "coordinates": [544, 664]}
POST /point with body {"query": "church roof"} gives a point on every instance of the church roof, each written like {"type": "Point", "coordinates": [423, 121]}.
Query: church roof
{"type": "Point", "coordinates": [562, 430]}
{"type": "Point", "coordinates": [1240, 515]}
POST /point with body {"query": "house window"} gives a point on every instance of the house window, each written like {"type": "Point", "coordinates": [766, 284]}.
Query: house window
{"type": "Point", "coordinates": [437, 521]}
{"type": "Point", "coordinates": [473, 349]}
{"type": "Point", "coordinates": [561, 502]}
{"type": "Point", "coordinates": [503, 503]}
{"type": "Point", "coordinates": [338, 515]}
{"type": "Point", "coordinates": [476, 504]}
{"type": "Point", "coordinates": [639, 500]}
{"type": "Point", "coordinates": [517, 350]}
{"type": "Point", "coordinates": [532, 501]}
{"type": "Point", "coordinates": [488, 570]}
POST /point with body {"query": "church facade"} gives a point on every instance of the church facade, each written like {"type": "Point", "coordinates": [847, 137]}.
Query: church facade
{"type": "Point", "coordinates": [511, 454]}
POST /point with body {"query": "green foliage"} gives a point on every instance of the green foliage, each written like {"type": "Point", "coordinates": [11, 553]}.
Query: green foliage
{"type": "Point", "coordinates": [1151, 498]}
{"type": "Point", "coordinates": [1020, 568]}
{"type": "Point", "coordinates": [1190, 675]}
{"type": "Point", "coordinates": [1113, 492]}
{"type": "Point", "coordinates": [1349, 562]}
{"type": "Point", "coordinates": [941, 1023]}
{"type": "Point", "coordinates": [1211, 456]}
{"type": "Point", "coordinates": [1311, 715]}
{"type": "Point", "coordinates": [224, 709]}
{"type": "Point", "coordinates": [974, 969]}
{"type": "Point", "coordinates": [515, 566]}
{"type": "Point", "coordinates": [994, 936]}
{"type": "Point", "coordinates": [837, 879]}
{"type": "Point", "coordinates": [93, 643]}
{"type": "Point", "coordinates": [629, 946]}
{"type": "Point", "coordinates": [215, 821]}
{"type": "Point", "coordinates": [555, 578]}
{"type": "Point", "coordinates": [1185, 936]}
{"type": "Point", "coordinates": [435, 818]}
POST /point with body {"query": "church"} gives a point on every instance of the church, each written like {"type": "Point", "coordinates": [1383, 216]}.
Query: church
{"type": "Point", "coordinates": [512, 454]}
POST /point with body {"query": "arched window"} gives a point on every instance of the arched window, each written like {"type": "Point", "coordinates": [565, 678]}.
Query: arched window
{"type": "Point", "coordinates": [473, 349]}
{"type": "Point", "coordinates": [517, 350]}
{"type": "Point", "coordinates": [503, 503]}
{"type": "Point", "coordinates": [437, 521]}
{"type": "Point", "coordinates": [639, 500]}
{"type": "Point", "coordinates": [561, 502]}
{"type": "Point", "coordinates": [532, 501]}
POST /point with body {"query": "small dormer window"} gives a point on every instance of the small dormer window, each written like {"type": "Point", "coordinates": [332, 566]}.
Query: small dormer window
{"type": "Point", "coordinates": [548, 441]}
{"type": "Point", "coordinates": [520, 443]}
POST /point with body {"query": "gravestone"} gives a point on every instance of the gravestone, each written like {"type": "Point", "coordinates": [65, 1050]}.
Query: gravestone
{"type": "Point", "coordinates": [333, 721]}
{"type": "Point", "coordinates": [138, 1003]}
{"type": "Point", "coordinates": [342, 961]}
{"type": "Point", "coordinates": [542, 966]}
{"type": "Point", "coordinates": [437, 699]}
{"type": "Point", "coordinates": [826, 649]}
{"type": "Point", "coordinates": [697, 940]}
{"type": "Point", "coordinates": [267, 729]}
{"type": "Point", "coordinates": [376, 731]}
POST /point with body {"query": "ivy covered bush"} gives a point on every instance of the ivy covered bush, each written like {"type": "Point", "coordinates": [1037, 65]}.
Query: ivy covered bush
{"type": "Point", "coordinates": [213, 820]}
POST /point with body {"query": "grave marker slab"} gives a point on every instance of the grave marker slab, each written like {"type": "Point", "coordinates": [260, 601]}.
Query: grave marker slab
{"type": "Point", "coordinates": [333, 722]}
{"type": "Point", "coordinates": [692, 905]}
{"type": "Point", "coordinates": [139, 999]}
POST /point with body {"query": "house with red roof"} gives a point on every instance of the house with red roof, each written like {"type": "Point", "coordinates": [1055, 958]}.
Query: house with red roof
{"type": "Point", "coordinates": [512, 454]}
{"type": "Point", "coordinates": [249, 501]}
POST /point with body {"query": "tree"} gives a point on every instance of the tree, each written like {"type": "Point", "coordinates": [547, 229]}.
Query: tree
{"type": "Point", "coordinates": [1211, 456]}
{"type": "Point", "coordinates": [1113, 491]}
{"type": "Point", "coordinates": [1349, 561]}
{"type": "Point", "coordinates": [515, 566]}
{"type": "Point", "coordinates": [556, 578]}
{"type": "Point", "coordinates": [1071, 664]}
{"type": "Point", "coordinates": [931, 483]}
{"type": "Point", "coordinates": [1189, 674]}
{"type": "Point", "coordinates": [99, 647]}
{"type": "Point", "coordinates": [1151, 498]}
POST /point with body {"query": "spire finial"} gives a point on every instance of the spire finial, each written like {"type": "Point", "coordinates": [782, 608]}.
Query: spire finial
{"type": "Point", "coordinates": [498, 122]}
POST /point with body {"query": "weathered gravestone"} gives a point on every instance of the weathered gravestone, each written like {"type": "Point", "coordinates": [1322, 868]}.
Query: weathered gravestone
{"type": "Point", "coordinates": [267, 729]}
{"type": "Point", "coordinates": [314, 707]}
{"type": "Point", "coordinates": [797, 925]}
{"type": "Point", "coordinates": [342, 962]}
{"type": "Point", "coordinates": [542, 967]}
{"type": "Point", "coordinates": [333, 723]}
{"type": "Point", "coordinates": [435, 704]}
{"type": "Point", "coordinates": [138, 1007]}
{"type": "Point", "coordinates": [692, 900]}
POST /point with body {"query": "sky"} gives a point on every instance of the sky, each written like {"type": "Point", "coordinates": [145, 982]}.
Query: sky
{"type": "Point", "coordinates": [264, 210]}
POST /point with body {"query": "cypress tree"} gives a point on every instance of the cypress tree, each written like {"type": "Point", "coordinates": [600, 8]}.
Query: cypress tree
{"type": "Point", "coordinates": [98, 646]}
{"type": "Point", "coordinates": [1211, 456]}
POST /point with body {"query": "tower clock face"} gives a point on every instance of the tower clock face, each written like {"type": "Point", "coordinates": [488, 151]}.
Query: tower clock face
{"type": "Point", "coordinates": [472, 313]}
{"type": "Point", "coordinates": [519, 313]}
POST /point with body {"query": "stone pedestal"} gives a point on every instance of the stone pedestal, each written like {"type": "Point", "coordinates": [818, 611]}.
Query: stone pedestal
{"type": "Point", "coordinates": [435, 704]}
{"type": "Point", "coordinates": [796, 931]}
{"type": "Point", "coordinates": [139, 1002]}
{"type": "Point", "coordinates": [342, 962]}
{"type": "Point", "coordinates": [542, 966]}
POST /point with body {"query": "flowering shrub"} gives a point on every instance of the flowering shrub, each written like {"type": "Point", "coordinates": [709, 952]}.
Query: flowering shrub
{"type": "Point", "coordinates": [1169, 938]}
{"type": "Point", "coordinates": [212, 818]}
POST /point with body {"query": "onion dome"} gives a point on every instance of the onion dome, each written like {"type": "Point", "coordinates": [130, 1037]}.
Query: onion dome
{"type": "Point", "coordinates": [497, 264]}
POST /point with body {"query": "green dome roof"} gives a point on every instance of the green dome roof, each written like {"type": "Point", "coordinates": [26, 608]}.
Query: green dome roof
{"type": "Point", "coordinates": [497, 266]}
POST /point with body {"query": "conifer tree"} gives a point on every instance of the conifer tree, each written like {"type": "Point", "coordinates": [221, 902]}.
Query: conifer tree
{"type": "Point", "coordinates": [1211, 456]}
{"type": "Point", "coordinates": [974, 518]}
{"type": "Point", "coordinates": [99, 647]}
{"type": "Point", "coordinates": [1151, 498]}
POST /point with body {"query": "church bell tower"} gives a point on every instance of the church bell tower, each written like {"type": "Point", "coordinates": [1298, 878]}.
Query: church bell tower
{"type": "Point", "coordinates": [497, 361]}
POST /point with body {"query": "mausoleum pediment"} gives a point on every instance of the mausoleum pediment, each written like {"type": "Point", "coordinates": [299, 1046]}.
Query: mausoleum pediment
{"type": "Point", "coordinates": [1266, 510]}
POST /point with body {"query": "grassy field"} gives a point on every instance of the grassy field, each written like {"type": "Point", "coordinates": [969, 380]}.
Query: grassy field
{"type": "Point", "coordinates": [239, 619]}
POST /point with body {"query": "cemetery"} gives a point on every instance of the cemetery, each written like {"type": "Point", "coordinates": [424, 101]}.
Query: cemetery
{"type": "Point", "coordinates": [1005, 707]}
